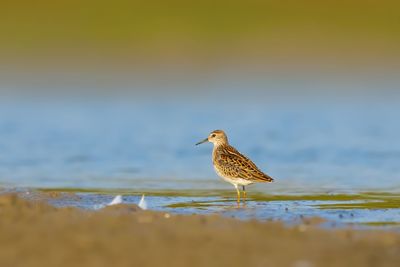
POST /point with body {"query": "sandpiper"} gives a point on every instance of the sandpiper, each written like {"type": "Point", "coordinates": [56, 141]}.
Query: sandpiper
{"type": "Point", "coordinates": [231, 165]}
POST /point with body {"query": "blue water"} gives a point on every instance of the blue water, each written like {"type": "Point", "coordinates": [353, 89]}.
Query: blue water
{"type": "Point", "coordinates": [147, 144]}
{"type": "Point", "coordinates": [133, 145]}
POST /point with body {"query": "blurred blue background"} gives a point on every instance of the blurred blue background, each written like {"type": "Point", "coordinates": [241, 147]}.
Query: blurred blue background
{"type": "Point", "coordinates": [309, 140]}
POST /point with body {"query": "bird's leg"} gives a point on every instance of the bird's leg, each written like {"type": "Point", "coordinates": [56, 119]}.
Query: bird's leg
{"type": "Point", "coordinates": [244, 193]}
{"type": "Point", "coordinates": [238, 194]}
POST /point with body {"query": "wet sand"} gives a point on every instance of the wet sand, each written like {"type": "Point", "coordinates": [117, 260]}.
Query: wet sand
{"type": "Point", "coordinates": [33, 233]}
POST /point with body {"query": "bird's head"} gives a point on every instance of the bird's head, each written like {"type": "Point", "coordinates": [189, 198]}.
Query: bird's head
{"type": "Point", "coordinates": [216, 137]}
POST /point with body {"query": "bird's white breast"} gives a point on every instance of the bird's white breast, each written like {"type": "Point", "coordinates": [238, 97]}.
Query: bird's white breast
{"type": "Point", "coordinates": [233, 180]}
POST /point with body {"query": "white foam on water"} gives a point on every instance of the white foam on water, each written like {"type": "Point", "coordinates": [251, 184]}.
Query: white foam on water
{"type": "Point", "coordinates": [117, 200]}
{"type": "Point", "coordinates": [142, 203]}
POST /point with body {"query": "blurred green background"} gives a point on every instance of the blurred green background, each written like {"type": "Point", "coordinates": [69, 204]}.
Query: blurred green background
{"type": "Point", "coordinates": [200, 31]}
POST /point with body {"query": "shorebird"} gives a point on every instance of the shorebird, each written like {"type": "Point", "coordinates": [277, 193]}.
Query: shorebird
{"type": "Point", "coordinates": [232, 166]}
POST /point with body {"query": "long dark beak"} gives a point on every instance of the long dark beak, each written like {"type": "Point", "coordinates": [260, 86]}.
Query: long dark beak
{"type": "Point", "coordinates": [201, 142]}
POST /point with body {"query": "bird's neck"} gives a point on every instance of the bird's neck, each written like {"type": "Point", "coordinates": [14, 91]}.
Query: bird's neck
{"type": "Point", "coordinates": [216, 148]}
{"type": "Point", "coordinates": [220, 143]}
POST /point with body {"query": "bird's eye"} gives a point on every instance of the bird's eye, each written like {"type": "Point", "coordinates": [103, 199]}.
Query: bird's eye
{"type": "Point", "coordinates": [213, 135]}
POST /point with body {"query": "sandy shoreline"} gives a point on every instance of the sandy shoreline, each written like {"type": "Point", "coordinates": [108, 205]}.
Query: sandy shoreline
{"type": "Point", "coordinates": [35, 234]}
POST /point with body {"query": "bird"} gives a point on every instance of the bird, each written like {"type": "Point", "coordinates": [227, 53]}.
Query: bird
{"type": "Point", "coordinates": [232, 166]}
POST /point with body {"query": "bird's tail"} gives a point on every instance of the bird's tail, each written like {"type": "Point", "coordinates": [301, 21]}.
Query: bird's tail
{"type": "Point", "coordinates": [267, 178]}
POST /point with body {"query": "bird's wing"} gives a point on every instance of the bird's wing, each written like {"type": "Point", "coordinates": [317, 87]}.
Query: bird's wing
{"type": "Point", "coordinates": [237, 165]}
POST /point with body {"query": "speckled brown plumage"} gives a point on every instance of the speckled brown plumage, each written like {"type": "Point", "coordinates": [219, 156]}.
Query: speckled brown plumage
{"type": "Point", "coordinates": [231, 163]}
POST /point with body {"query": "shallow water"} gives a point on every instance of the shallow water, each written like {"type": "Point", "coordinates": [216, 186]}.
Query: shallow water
{"type": "Point", "coordinates": [359, 211]}
{"type": "Point", "coordinates": [318, 150]}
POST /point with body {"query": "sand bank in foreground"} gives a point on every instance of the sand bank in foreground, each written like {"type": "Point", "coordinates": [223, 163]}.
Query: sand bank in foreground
{"type": "Point", "coordinates": [36, 234]}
